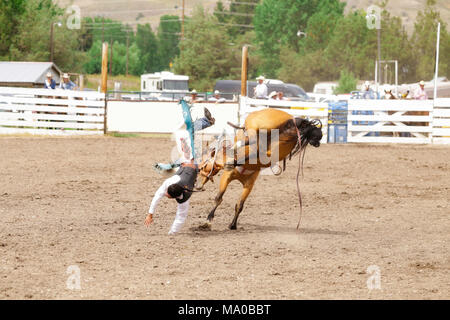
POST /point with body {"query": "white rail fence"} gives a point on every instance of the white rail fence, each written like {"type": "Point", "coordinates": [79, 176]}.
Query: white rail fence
{"type": "Point", "coordinates": [441, 121]}
{"type": "Point", "coordinates": [51, 112]}
{"type": "Point", "coordinates": [311, 110]}
{"type": "Point", "coordinates": [166, 117]}
{"type": "Point", "coordinates": [390, 121]}
{"type": "Point", "coordinates": [61, 112]}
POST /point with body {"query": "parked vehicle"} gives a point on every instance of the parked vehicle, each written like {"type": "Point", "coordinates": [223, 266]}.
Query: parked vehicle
{"type": "Point", "coordinates": [325, 88]}
{"type": "Point", "coordinates": [230, 88]}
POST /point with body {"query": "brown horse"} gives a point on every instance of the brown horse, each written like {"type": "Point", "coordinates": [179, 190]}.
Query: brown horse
{"type": "Point", "coordinates": [294, 135]}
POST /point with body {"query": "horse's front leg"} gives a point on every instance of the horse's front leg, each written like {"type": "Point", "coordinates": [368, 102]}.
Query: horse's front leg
{"type": "Point", "coordinates": [247, 182]}
{"type": "Point", "coordinates": [225, 180]}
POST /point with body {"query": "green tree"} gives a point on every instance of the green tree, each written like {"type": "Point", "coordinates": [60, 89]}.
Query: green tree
{"type": "Point", "coordinates": [424, 43]}
{"type": "Point", "coordinates": [206, 51]}
{"type": "Point", "coordinates": [238, 18]}
{"type": "Point", "coordinates": [100, 28]}
{"type": "Point", "coordinates": [149, 47]}
{"type": "Point", "coordinates": [277, 24]}
{"type": "Point", "coordinates": [220, 12]}
{"type": "Point", "coordinates": [353, 47]}
{"type": "Point", "coordinates": [93, 64]}
{"type": "Point", "coordinates": [254, 60]}
{"type": "Point", "coordinates": [94, 61]}
{"type": "Point", "coordinates": [304, 69]}
{"type": "Point", "coordinates": [169, 38]}
{"type": "Point", "coordinates": [396, 45]}
{"type": "Point", "coordinates": [321, 25]}
{"type": "Point", "coordinates": [347, 83]}
{"type": "Point", "coordinates": [32, 40]}
{"type": "Point", "coordinates": [10, 13]}
{"type": "Point", "coordinates": [135, 66]}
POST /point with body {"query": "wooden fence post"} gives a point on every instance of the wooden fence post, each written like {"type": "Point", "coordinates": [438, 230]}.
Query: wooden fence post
{"type": "Point", "coordinates": [105, 82]}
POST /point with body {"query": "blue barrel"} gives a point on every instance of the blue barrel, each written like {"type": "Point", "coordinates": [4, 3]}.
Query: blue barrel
{"type": "Point", "coordinates": [337, 121]}
{"type": "Point", "coordinates": [337, 133]}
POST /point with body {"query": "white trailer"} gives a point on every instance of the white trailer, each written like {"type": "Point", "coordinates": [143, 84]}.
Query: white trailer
{"type": "Point", "coordinates": [165, 84]}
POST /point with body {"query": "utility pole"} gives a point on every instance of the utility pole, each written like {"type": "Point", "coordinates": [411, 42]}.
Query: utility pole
{"type": "Point", "coordinates": [111, 58]}
{"type": "Point", "coordinates": [128, 44]}
{"type": "Point", "coordinates": [103, 30]}
{"type": "Point", "coordinates": [51, 42]}
{"type": "Point", "coordinates": [52, 27]}
{"type": "Point", "coordinates": [379, 54]}
{"type": "Point", "coordinates": [182, 26]}
{"type": "Point", "coordinates": [104, 87]}
{"type": "Point", "coordinates": [436, 70]}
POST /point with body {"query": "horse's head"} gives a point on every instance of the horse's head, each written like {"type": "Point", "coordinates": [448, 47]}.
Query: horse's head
{"type": "Point", "coordinates": [310, 130]}
{"type": "Point", "coordinates": [208, 168]}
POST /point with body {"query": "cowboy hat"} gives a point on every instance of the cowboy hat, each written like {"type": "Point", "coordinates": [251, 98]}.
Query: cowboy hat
{"type": "Point", "coordinates": [422, 83]}
{"type": "Point", "coordinates": [272, 94]}
{"type": "Point", "coordinates": [65, 76]}
{"type": "Point", "coordinates": [261, 78]}
{"type": "Point", "coordinates": [49, 74]}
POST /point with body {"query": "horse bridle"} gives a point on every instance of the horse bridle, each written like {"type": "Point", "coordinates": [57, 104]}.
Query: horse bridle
{"type": "Point", "coordinates": [220, 141]}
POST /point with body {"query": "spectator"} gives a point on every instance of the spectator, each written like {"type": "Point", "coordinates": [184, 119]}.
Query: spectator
{"type": "Point", "coordinates": [216, 97]}
{"type": "Point", "coordinates": [420, 93]}
{"type": "Point", "coordinates": [193, 98]}
{"type": "Point", "coordinates": [66, 84]}
{"type": "Point", "coordinates": [280, 96]}
{"type": "Point", "coordinates": [368, 92]}
{"type": "Point", "coordinates": [261, 89]}
{"type": "Point", "coordinates": [273, 95]}
{"type": "Point", "coordinates": [49, 83]}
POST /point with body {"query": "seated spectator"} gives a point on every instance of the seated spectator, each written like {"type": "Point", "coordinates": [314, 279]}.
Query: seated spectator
{"type": "Point", "coordinates": [273, 95]}
{"type": "Point", "coordinates": [280, 96]}
{"type": "Point", "coordinates": [66, 84]}
{"type": "Point", "coordinates": [367, 92]}
{"type": "Point", "coordinates": [420, 93]}
{"type": "Point", "coordinates": [216, 97]}
{"type": "Point", "coordinates": [193, 98]}
{"type": "Point", "coordinates": [49, 83]}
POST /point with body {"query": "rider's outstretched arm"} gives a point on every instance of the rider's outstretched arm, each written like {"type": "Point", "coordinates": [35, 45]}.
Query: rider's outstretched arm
{"type": "Point", "coordinates": [161, 192]}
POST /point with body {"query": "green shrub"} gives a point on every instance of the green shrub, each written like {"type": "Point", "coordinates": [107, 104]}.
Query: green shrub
{"type": "Point", "coordinates": [347, 83]}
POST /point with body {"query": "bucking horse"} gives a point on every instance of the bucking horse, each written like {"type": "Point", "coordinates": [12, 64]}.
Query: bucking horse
{"type": "Point", "coordinates": [243, 159]}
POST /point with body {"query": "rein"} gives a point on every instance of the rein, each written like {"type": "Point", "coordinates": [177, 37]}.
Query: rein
{"type": "Point", "coordinates": [216, 152]}
{"type": "Point", "coordinates": [298, 174]}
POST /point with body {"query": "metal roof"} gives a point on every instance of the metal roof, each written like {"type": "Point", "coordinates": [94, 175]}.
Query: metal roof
{"type": "Point", "coordinates": [27, 72]}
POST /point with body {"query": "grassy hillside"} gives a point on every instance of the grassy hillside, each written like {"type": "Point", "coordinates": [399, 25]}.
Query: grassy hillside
{"type": "Point", "coordinates": [130, 83]}
{"type": "Point", "coordinates": [136, 11]}
{"type": "Point", "coordinates": [143, 11]}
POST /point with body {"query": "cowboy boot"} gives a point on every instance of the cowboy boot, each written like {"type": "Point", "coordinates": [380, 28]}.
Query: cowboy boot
{"type": "Point", "coordinates": [209, 116]}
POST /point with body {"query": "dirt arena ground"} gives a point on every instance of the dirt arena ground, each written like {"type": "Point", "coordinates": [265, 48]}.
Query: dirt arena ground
{"type": "Point", "coordinates": [82, 202]}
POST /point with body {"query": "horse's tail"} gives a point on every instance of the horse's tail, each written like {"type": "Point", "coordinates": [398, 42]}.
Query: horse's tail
{"type": "Point", "coordinates": [235, 126]}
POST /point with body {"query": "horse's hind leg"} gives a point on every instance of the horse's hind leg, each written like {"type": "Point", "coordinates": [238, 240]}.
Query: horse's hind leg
{"type": "Point", "coordinates": [248, 182]}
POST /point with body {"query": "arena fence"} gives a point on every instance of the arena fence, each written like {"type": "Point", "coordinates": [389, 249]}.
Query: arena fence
{"type": "Point", "coordinates": [390, 121]}
{"type": "Point", "coordinates": [51, 112]}
{"type": "Point", "coordinates": [311, 110]}
{"type": "Point", "coordinates": [441, 121]}
{"type": "Point", "coordinates": [63, 112]}
{"type": "Point", "coordinates": [166, 117]}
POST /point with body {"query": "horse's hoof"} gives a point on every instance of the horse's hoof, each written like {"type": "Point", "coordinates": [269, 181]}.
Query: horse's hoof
{"type": "Point", "coordinates": [232, 227]}
{"type": "Point", "coordinates": [205, 226]}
